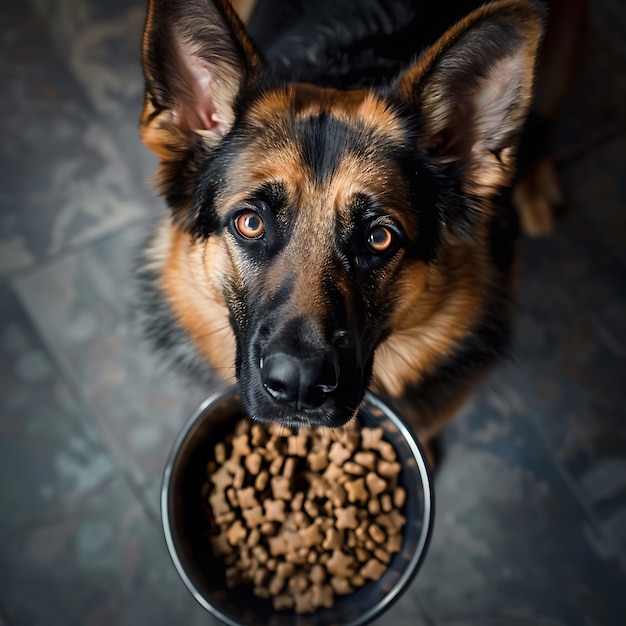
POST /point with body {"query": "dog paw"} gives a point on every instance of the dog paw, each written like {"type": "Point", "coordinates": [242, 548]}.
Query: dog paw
{"type": "Point", "coordinates": [537, 197]}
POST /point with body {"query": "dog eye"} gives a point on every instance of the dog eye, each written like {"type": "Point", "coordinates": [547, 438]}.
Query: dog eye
{"type": "Point", "coordinates": [250, 225]}
{"type": "Point", "coordinates": [380, 239]}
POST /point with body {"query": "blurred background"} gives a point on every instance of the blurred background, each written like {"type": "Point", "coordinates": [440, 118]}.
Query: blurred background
{"type": "Point", "coordinates": [531, 497]}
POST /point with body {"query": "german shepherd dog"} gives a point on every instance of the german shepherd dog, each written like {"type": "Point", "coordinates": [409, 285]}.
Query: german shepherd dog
{"type": "Point", "coordinates": [341, 176]}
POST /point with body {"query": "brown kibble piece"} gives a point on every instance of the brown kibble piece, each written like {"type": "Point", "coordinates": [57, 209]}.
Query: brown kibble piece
{"type": "Point", "coordinates": [317, 575]}
{"type": "Point", "coordinates": [366, 459]}
{"type": "Point", "coordinates": [274, 510]}
{"type": "Point", "coordinates": [311, 536]}
{"type": "Point", "coordinates": [225, 518]}
{"type": "Point", "coordinates": [218, 503]}
{"type": "Point", "coordinates": [276, 465]}
{"type": "Point", "coordinates": [260, 554]}
{"type": "Point", "coordinates": [337, 495]}
{"type": "Point", "coordinates": [349, 436]}
{"type": "Point", "coordinates": [394, 543]}
{"type": "Point", "coordinates": [277, 545]}
{"type": "Point", "coordinates": [261, 481]}
{"type": "Point", "coordinates": [261, 592]}
{"type": "Point", "coordinates": [253, 538]}
{"type": "Point", "coordinates": [371, 437]}
{"type": "Point", "coordinates": [373, 569]}
{"type": "Point", "coordinates": [341, 586]}
{"type": "Point", "coordinates": [253, 463]}
{"type": "Point", "coordinates": [311, 557]}
{"type": "Point", "coordinates": [385, 503]}
{"type": "Point", "coordinates": [361, 554]}
{"type": "Point", "coordinates": [297, 445]}
{"type": "Point", "coordinates": [386, 451]}
{"type": "Point", "coordinates": [297, 501]}
{"type": "Point", "coordinates": [375, 484]}
{"type": "Point", "coordinates": [334, 474]}
{"type": "Point", "coordinates": [340, 564]}
{"type": "Point", "coordinates": [285, 570]}
{"type": "Point", "coordinates": [260, 577]}
{"type": "Point", "coordinates": [253, 516]}
{"type": "Point", "coordinates": [276, 585]}
{"type": "Point", "coordinates": [240, 445]}
{"type": "Point", "coordinates": [231, 494]}
{"type": "Point", "coordinates": [338, 454]}
{"type": "Point", "coordinates": [298, 583]}
{"type": "Point", "coordinates": [239, 477]}
{"type": "Point", "coordinates": [304, 603]}
{"type": "Point", "coordinates": [387, 469]}
{"type": "Point", "coordinates": [220, 453]}
{"type": "Point", "coordinates": [373, 506]}
{"type": "Point", "coordinates": [399, 497]}
{"type": "Point", "coordinates": [247, 498]}
{"type": "Point", "coordinates": [236, 533]}
{"type": "Point", "coordinates": [318, 460]}
{"type": "Point", "coordinates": [322, 595]}
{"type": "Point", "coordinates": [392, 521]}
{"type": "Point", "coordinates": [311, 508]}
{"type": "Point", "coordinates": [354, 469]}
{"type": "Point", "coordinates": [347, 518]}
{"type": "Point", "coordinates": [233, 577]}
{"type": "Point", "coordinates": [357, 580]}
{"type": "Point", "coordinates": [258, 435]}
{"type": "Point", "coordinates": [333, 539]}
{"type": "Point", "coordinates": [382, 555]}
{"type": "Point", "coordinates": [222, 479]}
{"type": "Point", "coordinates": [377, 534]}
{"type": "Point", "coordinates": [355, 490]}
{"type": "Point", "coordinates": [282, 602]}
{"type": "Point", "coordinates": [289, 468]}
{"type": "Point", "coordinates": [281, 488]}
{"type": "Point", "coordinates": [268, 528]}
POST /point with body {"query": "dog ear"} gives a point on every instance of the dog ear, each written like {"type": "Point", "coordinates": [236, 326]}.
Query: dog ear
{"type": "Point", "coordinates": [472, 91]}
{"type": "Point", "coordinates": [196, 56]}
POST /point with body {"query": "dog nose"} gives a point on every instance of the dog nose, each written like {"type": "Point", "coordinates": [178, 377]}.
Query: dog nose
{"type": "Point", "coordinates": [301, 382]}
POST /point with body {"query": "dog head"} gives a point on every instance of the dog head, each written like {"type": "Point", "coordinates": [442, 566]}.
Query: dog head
{"type": "Point", "coordinates": [309, 226]}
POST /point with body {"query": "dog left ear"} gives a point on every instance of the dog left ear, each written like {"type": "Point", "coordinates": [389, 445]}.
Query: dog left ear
{"type": "Point", "coordinates": [196, 57]}
{"type": "Point", "coordinates": [472, 91]}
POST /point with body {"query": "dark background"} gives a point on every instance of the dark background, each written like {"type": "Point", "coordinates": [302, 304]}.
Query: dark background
{"type": "Point", "coordinates": [531, 497]}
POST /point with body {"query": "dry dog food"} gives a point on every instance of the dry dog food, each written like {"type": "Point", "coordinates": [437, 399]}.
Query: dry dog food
{"type": "Point", "coordinates": [303, 517]}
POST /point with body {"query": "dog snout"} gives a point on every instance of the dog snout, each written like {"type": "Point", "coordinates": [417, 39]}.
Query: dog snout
{"type": "Point", "coordinates": [299, 382]}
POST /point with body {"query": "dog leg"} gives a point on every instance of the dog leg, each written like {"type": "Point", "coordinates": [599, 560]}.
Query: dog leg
{"type": "Point", "coordinates": [537, 194]}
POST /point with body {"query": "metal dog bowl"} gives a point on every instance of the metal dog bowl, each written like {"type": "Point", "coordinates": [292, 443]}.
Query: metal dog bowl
{"type": "Point", "coordinates": [184, 522]}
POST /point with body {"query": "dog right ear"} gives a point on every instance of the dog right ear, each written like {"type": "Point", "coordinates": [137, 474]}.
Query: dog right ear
{"type": "Point", "coordinates": [196, 57]}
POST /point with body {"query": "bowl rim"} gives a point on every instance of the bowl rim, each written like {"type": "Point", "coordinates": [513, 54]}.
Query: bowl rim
{"type": "Point", "coordinates": [407, 575]}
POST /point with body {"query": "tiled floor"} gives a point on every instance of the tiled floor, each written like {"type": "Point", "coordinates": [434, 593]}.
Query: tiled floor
{"type": "Point", "coordinates": [531, 496]}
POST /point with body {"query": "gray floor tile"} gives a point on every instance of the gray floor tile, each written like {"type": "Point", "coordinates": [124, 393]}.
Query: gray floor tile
{"type": "Point", "coordinates": [594, 110]}
{"type": "Point", "coordinates": [50, 451]}
{"type": "Point", "coordinates": [571, 359]}
{"type": "Point", "coordinates": [510, 543]}
{"type": "Point", "coordinates": [101, 43]}
{"type": "Point", "coordinates": [62, 178]}
{"type": "Point", "coordinates": [101, 561]}
{"type": "Point", "coordinates": [596, 189]}
{"type": "Point", "coordinates": [82, 304]}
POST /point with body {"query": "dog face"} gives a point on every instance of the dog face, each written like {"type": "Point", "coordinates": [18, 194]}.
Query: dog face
{"type": "Point", "coordinates": [322, 238]}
